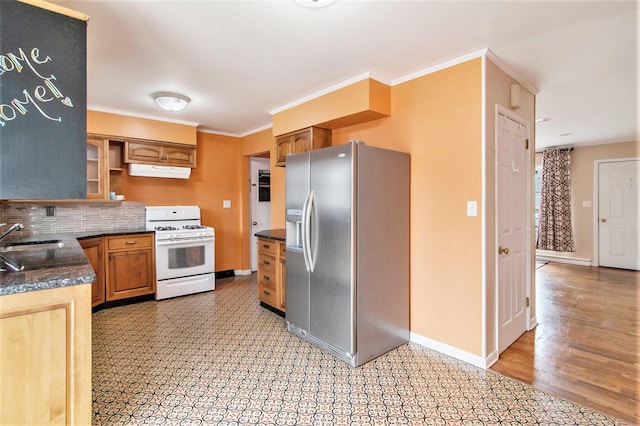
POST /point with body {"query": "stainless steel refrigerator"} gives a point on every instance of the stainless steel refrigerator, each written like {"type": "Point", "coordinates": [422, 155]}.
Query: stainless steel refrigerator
{"type": "Point", "coordinates": [347, 243]}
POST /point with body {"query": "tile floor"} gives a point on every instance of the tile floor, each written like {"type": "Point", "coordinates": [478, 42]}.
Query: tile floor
{"type": "Point", "coordinates": [219, 358]}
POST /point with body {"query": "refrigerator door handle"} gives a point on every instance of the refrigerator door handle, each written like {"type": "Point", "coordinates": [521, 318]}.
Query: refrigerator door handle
{"type": "Point", "coordinates": [313, 231]}
{"type": "Point", "coordinates": [306, 231]}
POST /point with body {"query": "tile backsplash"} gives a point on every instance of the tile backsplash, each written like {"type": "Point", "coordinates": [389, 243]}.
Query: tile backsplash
{"type": "Point", "coordinates": [73, 217]}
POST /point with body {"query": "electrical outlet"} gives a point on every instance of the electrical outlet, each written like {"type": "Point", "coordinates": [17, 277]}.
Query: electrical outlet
{"type": "Point", "coordinates": [226, 204]}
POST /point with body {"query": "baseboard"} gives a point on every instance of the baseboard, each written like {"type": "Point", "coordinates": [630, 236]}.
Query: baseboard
{"type": "Point", "coordinates": [533, 323]}
{"type": "Point", "coordinates": [465, 356]}
{"type": "Point", "coordinates": [243, 271]}
{"type": "Point", "coordinates": [272, 309]}
{"type": "Point", "coordinates": [228, 273]}
{"type": "Point", "coordinates": [564, 259]}
{"type": "Point", "coordinates": [492, 358]}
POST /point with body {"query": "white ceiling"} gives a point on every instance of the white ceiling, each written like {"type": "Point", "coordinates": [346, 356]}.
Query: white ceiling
{"type": "Point", "coordinates": [239, 60]}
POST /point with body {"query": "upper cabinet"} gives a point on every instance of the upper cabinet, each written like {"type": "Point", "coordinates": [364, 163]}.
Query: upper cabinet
{"type": "Point", "coordinates": [104, 167]}
{"type": "Point", "coordinates": [160, 153]}
{"type": "Point", "coordinates": [301, 141]}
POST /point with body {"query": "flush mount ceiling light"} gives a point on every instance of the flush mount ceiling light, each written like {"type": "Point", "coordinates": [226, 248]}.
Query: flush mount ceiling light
{"type": "Point", "coordinates": [171, 101]}
{"type": "Point", "coordinates": [314, 3]}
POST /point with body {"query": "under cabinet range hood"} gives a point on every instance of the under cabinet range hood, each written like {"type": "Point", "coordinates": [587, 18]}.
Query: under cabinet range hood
{"type": "Point", "coordinates": [159, 171]}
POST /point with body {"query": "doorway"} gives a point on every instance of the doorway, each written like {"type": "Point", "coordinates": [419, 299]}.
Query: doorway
{"type": "Point", "coordinates": [513, 276]}
{"type": "Point", "coordinates": [259, 202]}
{"type": "Point", "coordinates": [617, 231]}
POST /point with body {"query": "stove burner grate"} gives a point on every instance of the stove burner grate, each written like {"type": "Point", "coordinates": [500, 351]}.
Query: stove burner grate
{"type": "Point", "coordinates": [165, 228]}
{"type": "Point", "coordinates": [194, 227]}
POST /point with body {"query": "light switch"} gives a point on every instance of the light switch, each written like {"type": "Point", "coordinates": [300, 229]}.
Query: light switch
{"type": "Point", "coordinates": [586, 204]}
{"type": "Point", "coordinates": [472, 208]}
{"type": "Point", "coordinates": [226, 204]}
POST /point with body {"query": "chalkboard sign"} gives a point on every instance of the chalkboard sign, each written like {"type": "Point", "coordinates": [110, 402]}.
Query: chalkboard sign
{"type": "Point", "coordinates": [43, 103]}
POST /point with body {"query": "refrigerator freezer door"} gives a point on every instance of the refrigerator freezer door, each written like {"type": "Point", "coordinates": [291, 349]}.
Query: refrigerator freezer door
{"type": "Point", "coordinates": [297, 190]}
{"type": "Point", "coordinates": [332, 291]}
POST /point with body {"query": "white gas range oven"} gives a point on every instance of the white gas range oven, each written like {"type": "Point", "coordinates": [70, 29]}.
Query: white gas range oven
{"type": "Point", "coordinates": [185, 250]}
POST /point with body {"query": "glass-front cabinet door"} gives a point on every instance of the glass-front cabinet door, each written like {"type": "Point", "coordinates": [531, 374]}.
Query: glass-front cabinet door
{"type": "Point", "coordinates": [96, 169]}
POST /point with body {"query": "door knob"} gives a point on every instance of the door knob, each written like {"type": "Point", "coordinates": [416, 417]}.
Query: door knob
{"type": "Point", "coordinates": [503, 250]}
{"type": "Point", "coordinates": [603, 220]}
{"type": "Point", "coordinates": [254, 223]}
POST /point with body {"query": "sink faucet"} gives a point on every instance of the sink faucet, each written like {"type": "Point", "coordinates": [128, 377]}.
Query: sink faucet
{"type": "Point", "coordinates": [17, 226]}
{"type": "Point", "coordinates": [10, 264]}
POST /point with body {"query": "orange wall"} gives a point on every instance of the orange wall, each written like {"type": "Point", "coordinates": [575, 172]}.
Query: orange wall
{"type": "Point", "coordinates": [221, 173]}
{"type": "Point", "coordinates": [105, 123]}
{"type": "Point", "coordinates": [438, 120]}
{"type": "Point", "coordinates": [261, 143]}
{"type": "Point", "coordinates": [217, 177]}
{"type": "Point", "coordinates": [363, 100]}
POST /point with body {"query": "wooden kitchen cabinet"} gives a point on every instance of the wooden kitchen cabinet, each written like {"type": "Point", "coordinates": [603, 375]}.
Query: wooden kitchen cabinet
{"type": "Point", "coordinates": [160, 153]}
{"type": "Point", "coordinates": [301, 141]}
{"type": "Point", "coordinates": [130, 270]}
{"type": "Point", "coordinates": [94, 250]}
{"type": "Point", "coordinates": [271, 273]}
{"type": "Point", "coordinates": [45, 361]}
{"type": "Point", "coordinates": [97, 186]}
{"type": "Point", "coordinates": [104, 167]}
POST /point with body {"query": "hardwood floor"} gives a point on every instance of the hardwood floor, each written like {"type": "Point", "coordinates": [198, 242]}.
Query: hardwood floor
{"type": "Point", "coordinates": [587, 343]}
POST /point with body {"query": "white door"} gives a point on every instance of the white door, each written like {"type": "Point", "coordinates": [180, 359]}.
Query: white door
{"type": "Point", "coordinates": [618, 232]}
{"type": "Point", "coordinates": [260, 208]}
{"type": "Point", "coordinates": [512, 227]}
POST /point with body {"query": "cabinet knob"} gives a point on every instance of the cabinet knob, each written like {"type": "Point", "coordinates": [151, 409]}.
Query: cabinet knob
{"type": "Point", "coordinates": [266, 277]}
{"type": "Point", "coordinates": [266, 262]}
{"type": "Point", "coordinates": [266, 292]}
{"type": "Point", "coordinates": [130, 242]}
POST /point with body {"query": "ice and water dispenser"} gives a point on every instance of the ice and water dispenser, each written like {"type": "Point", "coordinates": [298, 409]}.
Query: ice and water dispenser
{"type": "Point", "coordinates": [294, 229]}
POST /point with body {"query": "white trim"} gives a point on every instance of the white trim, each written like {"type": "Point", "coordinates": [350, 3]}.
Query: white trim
{"type": "Point", "coordinates": [565, 259]}
{"type": "Point", "coordinates": [483, 216]}
{"type": "Point", "coordinates": [596, 204]}
{"type": "Point", "coordinates": [236, 135]}
{"type": "Point", "coordinates": [534, 323]}
{"type": "Point", "coordinates": [148, 117]}
{"type": "Point", "coordinates": [491, 358]}
{"type": "Point", "coordinates": [242, 271]}
{"type": "Point", "coordinates": [499, 109]}
{"type": "Point", "coordinates": [321, 93]}
{"type": "Point", "coordinates": [510, 72]}
{"type": "Point", "coordinates": [465, 356]}
{"type": "Point", "coordinates": [439, 67]}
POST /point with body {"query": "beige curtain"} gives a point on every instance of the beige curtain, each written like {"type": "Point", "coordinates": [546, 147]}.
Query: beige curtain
{"type": "Point", "coordinates": [554, 226]}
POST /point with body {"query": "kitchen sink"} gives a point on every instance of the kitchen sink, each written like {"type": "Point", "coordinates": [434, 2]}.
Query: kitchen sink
{"type": "Point", "coordinates": [32, 245]}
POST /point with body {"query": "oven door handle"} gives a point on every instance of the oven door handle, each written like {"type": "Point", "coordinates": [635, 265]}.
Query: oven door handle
{"type": "Point", "coordinates": [183, 241]}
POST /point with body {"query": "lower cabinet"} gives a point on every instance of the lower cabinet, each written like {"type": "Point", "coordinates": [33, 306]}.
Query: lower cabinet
{"type": "Point", "coordinates": [45, 361]}
{"type": "Point", "coordinates": [130, 266]}
{"type": "Point", "coordinates": [271, 273]}
{"type": "Point", "coordinates": [124, 266]}
{"type": "Point", "coordinates": [94, 250]}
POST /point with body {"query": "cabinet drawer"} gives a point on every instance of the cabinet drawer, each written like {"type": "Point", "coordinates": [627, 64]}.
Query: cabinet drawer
{"type": "Point", "coordinates": [130, 242]}
{"type": "Point", "coordinates": [267, 295]}
{"type": "Point", "coordinates": [267, 246]}
{"type": "Point", "coordinates": [266, 263]}
{"type": "Point", "coordinates": [267, 279]}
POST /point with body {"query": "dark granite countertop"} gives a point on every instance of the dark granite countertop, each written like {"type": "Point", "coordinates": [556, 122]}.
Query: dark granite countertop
{"type": "Point", "coordinates": [46, 268]}
{"type": "Point", "coordinates": [272, 234]}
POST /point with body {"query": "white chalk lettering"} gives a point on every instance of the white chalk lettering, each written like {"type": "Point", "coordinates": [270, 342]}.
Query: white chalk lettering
{"type": "Point", "coordinates": [41, 94]}
{"type": "Point", "coordinates": [15, 62]}
{"type": "Point", "coordinates": [19, 105]}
